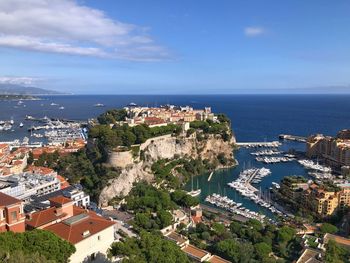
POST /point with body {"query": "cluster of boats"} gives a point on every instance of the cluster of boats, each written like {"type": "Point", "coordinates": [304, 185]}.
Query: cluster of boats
{"type": "Point", "coordinates": [243, 186]}
{"type": "Point", "coordinates": [8, 125]}
{"type": "Point", "coordinates": [274, 159]}
{"type": "Point", "coordinates": [61, 136]}
{"type": "Point", "coordinates": [55, 124]}
{"type": "Point", "coordinates": [230, 205]}
{"type": "Point", "coordinates": [266, 152]}
{"type": "Point", "coordinates": [321, 175]}
{"type": "Point", "coordinates": [309, 164]}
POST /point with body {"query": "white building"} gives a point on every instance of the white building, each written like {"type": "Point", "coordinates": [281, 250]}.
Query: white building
{"type": "Point", "coordinates": [24, 185]}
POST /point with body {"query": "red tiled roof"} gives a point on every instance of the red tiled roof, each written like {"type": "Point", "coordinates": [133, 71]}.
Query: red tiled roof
{"type": "Point", "coordinates": [64, 183]}
{"type": "Point", "coordinates": [6, 200]}
{"type": "Point", "coordinates": [44, 217]}
{"type": "Point", "coordinates": [74, 232]}
{"type": "Point", "coordinates": [217, 259]}
{"type": "Point", "coordinates": [48, 215]}
{"type": "Point", "coordinates": [40, 170]}
{"type": "Point", "coordinates": [195, 252]}
{"type": "Point", "coordinates": [60, 200]}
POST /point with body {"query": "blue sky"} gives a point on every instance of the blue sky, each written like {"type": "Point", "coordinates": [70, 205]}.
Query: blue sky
{"type": "Point", "coordinates": [176, 47]}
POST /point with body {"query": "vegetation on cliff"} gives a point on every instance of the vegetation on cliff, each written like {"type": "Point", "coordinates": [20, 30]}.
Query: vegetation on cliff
{"type": "Point", "coordinates": [183, 167]}
{"type": "Point", "coordinates": [151, 205]}
{"type": "Point", "coordinates": [110, 133]}
{"type": "Point", "coordinates": [88, 166]}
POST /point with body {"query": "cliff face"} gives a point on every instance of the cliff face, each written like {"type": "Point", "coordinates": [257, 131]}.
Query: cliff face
{"type": "Point", "coordinates": [163, 147]}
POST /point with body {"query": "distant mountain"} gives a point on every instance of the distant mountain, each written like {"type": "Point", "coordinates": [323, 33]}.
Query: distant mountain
{"type": "Point", "coordinates": [14, 89]}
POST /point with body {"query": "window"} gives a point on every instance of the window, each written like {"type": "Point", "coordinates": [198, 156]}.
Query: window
{"type": "Point", "coordinates": [98, 237]}
{"type": "Point", "coordinates": [14, 215]}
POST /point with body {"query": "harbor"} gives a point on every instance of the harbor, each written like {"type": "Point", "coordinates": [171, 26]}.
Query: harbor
{"type": "Point", "coordinates": [273, 144]}
{"type": "Point", "coordinates": [255, 186]}
{"type": "Point", "coordinates": [236, 208]}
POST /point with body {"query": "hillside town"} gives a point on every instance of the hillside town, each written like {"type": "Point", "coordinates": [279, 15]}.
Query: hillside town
{"type": "Point", "coordinates": [35, 196]}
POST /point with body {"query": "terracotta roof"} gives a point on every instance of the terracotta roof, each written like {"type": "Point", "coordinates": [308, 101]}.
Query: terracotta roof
{"type": "Point", "coordinates": [40, 170]}
{"type": "Point", "coordinates": [77, 228]}
{"type": "Point", "coordinates": [3, 145]}
{"type": "Point", "coordinates": [64, 183]}
{"type": "Point", "coordinates": [60, 199]}
{"type": "Point", "coordinates": [44, 217]}
{"type": "Point", "coordinates": [6, 200]}
{"type": "Point", "coordinates": [309, 256]}
{"type": "Point", "coordinates": [338, 239]}
{"type": "Point", "coordinates": [197, 219]}
{"type": "Point", "coordinates": [179, 239]}
{"type": "Point", "coordinates": [217, 259]}
{"type": "Point", "coordinates": [48, 215]}
{"type": "Point", "coordinates": [195, 252]}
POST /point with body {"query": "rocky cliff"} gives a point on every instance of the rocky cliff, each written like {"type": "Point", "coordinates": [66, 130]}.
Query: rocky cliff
{"type": "Point", "coordinates": [164, 147]}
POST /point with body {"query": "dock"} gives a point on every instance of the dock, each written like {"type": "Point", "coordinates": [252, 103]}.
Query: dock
{"type": "Point", "coordinates": [292, 138]}
{"type": "Point", "coordinates": [224, 215]}
{"type": "Point", "coordinates": [273, 144]}
{"type": "Point", "coordinates": [251, 177]}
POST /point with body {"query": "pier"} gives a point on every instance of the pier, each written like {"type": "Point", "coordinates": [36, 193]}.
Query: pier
{"type": "Point", "coordinates": [251, 177]}
{"type": "Point", "coordinates": [292, 138]}
{"type": "Point", "coordinates": [273, 144]}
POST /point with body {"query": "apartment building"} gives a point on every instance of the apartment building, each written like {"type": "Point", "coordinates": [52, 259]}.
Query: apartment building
{"type": "Point", "coordinates": [11, 214]}
{"type": "Point", "coordinates": [91, 234]}
{"type": "Point", "coordinates": [335, 150]}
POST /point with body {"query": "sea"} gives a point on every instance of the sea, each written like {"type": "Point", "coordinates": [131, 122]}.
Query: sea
{"type": "Point", "coordinates": [255, 118]}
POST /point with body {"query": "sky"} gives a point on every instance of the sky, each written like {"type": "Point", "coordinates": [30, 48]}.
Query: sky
{"type": "Point", "coordinates": [176, 47]}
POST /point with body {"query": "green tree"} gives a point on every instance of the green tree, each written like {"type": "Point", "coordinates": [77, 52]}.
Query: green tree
{"type": "Point", "coordinates": [218, 229]}
{"type": "Point", "coordinates": [38, 242]}
{"type": "Point", "coordinates": [30, 159]}
{"type": "Point", "coordinates": [336, 254]}
{"type": "Point", "coordinates": [150, 248]}
{"type": "Point", "coordinates": [262, 250]}
{"type": "Point", "coordinates": [328, 228]}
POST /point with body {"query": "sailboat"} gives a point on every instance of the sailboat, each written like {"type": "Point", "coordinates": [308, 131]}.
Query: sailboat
{"type": "Point", "coordinates": [197, 192]}
{"type": "Point", "coordinates": [211, 174]}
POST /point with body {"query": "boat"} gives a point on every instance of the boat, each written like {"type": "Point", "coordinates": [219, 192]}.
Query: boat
{"type": "Point", "coordinates": [29, 117]}
{"type": "Point", "coordinates": [99, 105]}
{"type": "Point", "coordinates": [195, 193]}
{"type": "Point", "coordinates": [21, 125]}
{"type": "Point", "coordinates": [54, 104]}
{"type": "Point", "coordinates": [211, 174]}
{"type": "Point", "coordinates": [61, 108]}
{"type": "Point", "coordinates": [37, 135]}
{"type": "Point", "coordinates": [132, 104]}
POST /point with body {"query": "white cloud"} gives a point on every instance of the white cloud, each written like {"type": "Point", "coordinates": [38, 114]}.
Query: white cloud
{"type": "Point", "coordinates": [64, 26]}
{"type": "Point", "coordinates": [254, 31]}
{"type": "Point", "coordinates": [18, 80]}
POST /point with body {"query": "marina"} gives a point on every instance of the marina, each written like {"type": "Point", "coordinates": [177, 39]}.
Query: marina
{"type": "Point", "coordinates": [226, 203]}
{"type": "Point", "coordinates": [243, 185]}
{"type": "Point", "coordinates": [273, 144]}
{"type": "Point", "coordinates": [272, 160]}
{"type": "Point", "coordinates": [292, 138]}
{"type": "Point", "coordinates": [309, 164]}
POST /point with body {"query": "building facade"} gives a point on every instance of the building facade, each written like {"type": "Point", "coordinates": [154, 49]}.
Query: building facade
{"type": "Point", "coordinates": [12, 217]}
